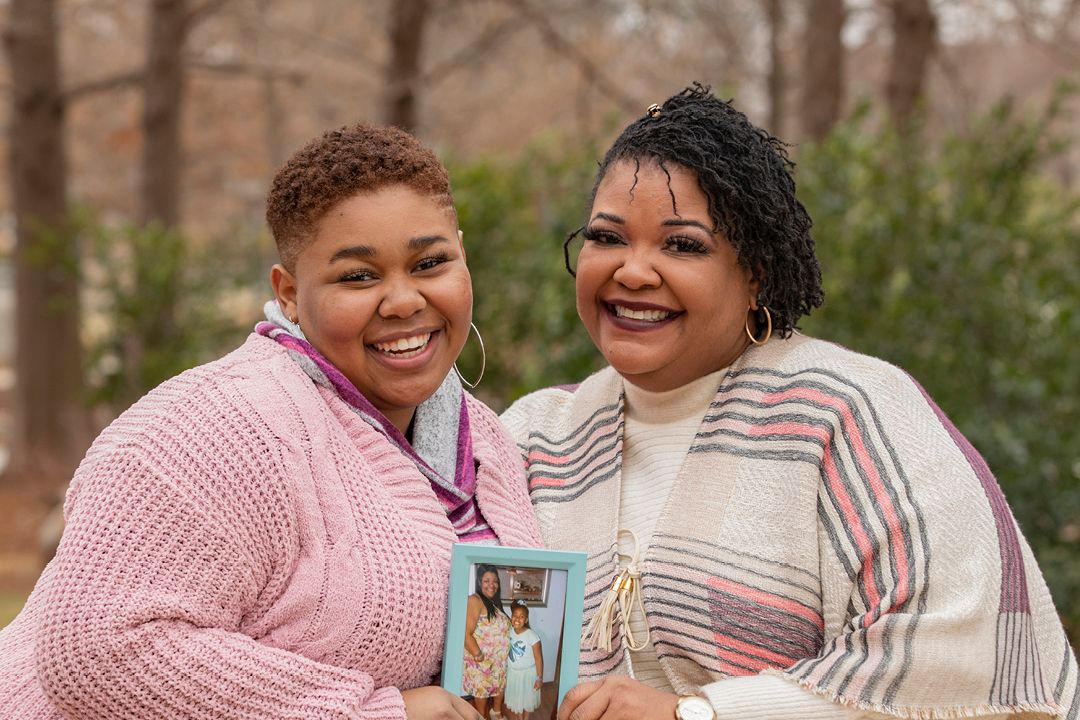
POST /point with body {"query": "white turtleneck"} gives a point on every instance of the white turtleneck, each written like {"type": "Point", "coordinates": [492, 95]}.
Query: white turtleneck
{"type": "Point", "coordinates": [660, 426]}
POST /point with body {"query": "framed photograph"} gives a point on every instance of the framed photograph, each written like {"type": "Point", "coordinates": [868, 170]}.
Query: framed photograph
{"type": "Point", "coordinates": [514, 628]}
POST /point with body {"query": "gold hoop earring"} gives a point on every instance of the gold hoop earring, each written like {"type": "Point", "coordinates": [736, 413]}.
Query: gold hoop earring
{"type": "Point", "coordinates": [483, 361]}
{"type": "Point", "coordinates": [768, 330]}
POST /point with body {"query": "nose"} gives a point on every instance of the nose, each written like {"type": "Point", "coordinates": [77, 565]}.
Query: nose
{"type": "Point", "coordinates": [401, 299]}
{"type": "Point", "coordinates": [637, 271]}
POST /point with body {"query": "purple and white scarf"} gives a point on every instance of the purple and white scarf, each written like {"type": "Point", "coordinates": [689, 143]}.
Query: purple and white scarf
{"type": "Point", "coordinates": [442, 444]}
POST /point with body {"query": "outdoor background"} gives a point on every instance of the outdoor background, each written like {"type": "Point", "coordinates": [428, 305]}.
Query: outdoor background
{"type": "Point", "coordinates": [937, 144]}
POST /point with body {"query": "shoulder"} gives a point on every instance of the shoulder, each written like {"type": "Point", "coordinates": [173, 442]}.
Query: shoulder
{"type": "Point", "coordinates": [243, 391]}
{"type": "Point", "coordinates": [532, 637]}
{"type": "Point", "coordinates": [207, 432]}
{"type": "Point", "coordinates": [550, 410]}
{"type": "Point", "coordinates": [812, 365]}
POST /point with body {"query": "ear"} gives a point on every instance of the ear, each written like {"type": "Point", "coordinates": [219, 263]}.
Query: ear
{"type": "Point", "coordinates": [284, 284]}
{"type": "Point", "coordinates": [754, 287]}
{"type": "Point", "coordinates": [461, 244]}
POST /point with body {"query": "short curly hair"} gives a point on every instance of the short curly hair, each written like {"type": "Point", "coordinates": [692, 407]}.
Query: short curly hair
{"type": "Point", "coordinates": [745, 174]}
{"type": "Point", "coordinates": [342, 163]}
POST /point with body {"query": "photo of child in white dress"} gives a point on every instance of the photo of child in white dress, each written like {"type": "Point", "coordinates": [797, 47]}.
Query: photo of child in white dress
{"type": "Point", "coordinates": [524, 666]}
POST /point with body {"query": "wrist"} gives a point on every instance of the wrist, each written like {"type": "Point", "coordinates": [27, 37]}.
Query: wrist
{"type": "Point", "coordinates": [694, 707]}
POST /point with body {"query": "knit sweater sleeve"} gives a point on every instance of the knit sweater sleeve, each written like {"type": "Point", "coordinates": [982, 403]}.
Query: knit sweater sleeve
{"type": "Point", "coordinates": [156, 572]}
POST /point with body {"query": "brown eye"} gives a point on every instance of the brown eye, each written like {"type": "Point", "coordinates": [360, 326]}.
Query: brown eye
{"type": "Point", "coordinates": [602, 237]}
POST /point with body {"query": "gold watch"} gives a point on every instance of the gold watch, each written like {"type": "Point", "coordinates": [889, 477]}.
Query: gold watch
{"type": "Point", "coordinates": [694, 707]}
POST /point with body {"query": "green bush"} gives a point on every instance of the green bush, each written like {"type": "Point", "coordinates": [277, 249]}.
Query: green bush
{"type": "Point", "coordinates": [515, 213]}
{"type": "Point", "coordinates": [160, 304]}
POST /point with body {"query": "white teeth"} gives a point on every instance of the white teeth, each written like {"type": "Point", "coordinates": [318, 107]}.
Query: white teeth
{"type": "Point", "coordinates": [647, 315]}
{"type": "Point", "coordinates": [404, 347]}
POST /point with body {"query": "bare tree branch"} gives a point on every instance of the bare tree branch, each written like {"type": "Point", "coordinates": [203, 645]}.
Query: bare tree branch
{"type": "Point", "coordinates": [586, 66]}
{"type": "Point", "coordinates": [120, 81]}
{"type": "Point", "coordinates": [266, 72]}
{"type": "Point", "coordinates": [485, 41]}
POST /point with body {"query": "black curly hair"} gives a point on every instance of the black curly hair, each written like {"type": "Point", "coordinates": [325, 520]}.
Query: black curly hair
{"type": "Point", "coordinates": [745, 174]}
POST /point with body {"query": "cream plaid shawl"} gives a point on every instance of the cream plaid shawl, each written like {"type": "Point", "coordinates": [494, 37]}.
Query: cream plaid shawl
{"type": "Point", "coordinates": [829, 524]}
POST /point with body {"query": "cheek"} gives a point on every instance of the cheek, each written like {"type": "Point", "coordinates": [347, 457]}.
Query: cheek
{"type": "Point", "coordinates": [456, 299]}
{"type": "Point", "coordinates": [586, 286]}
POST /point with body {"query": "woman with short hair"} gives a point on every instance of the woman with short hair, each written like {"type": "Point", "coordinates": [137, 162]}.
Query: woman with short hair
{"type": "Point", "coordinates": [269, 535]}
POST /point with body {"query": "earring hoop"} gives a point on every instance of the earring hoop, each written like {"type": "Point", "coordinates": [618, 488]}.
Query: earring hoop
{"type": "Point", "coordinates": [768, 330]}
{"type": "Point", "coordinates": [483, 361]}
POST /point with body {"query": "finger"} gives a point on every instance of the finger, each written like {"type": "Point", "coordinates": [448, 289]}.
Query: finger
{"type": "Point", "coordinates": [464, 708]}
{"type": "Point", "coordinates": [594, 706]}
{"type": "Point", "coordinates": [577, 695]}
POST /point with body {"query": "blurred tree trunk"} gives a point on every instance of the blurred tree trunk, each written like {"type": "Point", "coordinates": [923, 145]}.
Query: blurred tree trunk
{"type": "Point", "coordinates": [777, 79]}
{"type": "Point", "coordinates": [50, 423]}
{"type": "Point", "coordinates": [160, 178]}
{"type": "Point", "coordinates": [162, 109]}
{"type": "Point", "coordinates": [823, 67]}
{"type": "Point", "coordinates": [914, 31]}
{"type": "Point", "coordinates": [406, 33]}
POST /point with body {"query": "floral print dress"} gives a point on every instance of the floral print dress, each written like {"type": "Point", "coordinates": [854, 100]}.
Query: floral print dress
{"type": "Point", "coordinates": [487, 677]}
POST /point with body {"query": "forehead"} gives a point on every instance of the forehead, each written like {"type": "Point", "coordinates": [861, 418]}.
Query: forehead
{"type": "Point", "coordinates": [648, 186]}
{"type": "Point", "coordinates": [392, 206]}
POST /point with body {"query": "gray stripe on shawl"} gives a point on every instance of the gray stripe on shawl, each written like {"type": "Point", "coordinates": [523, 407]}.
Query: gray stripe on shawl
{"type": "Point", "coordinates": [841, 467]}
{"type": "Point", "coordinates": [573, 469]}
{"type": "Point", "coordinates": [1063, 674]}
{"type": "Point", "coordinates": [791, 644]}
{"type": "Point", "coordinates": [809, 630]}
{"type": "Point", "coordinates": [743, 553]}
{"type": "Point", "coordinates": [553, 445]}
{"type": "Point", "coordinates": [832, 391]}
{"type": "Point", "coordinates": [920, 522]}
{"type": "Point", "coordinates": [539, 497]}
{"type": "Point", "coordinates": [708, 662]}
{"type": "Point", "coordinates": [863, 431]}
{"type": "Point", "coordinates": [816, 592]}
{"type": "Point", "coordinates": [1074, 709]}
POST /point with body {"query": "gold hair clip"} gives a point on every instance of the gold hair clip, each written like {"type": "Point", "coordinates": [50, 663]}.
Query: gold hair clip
{"type": "Point", "coordinates": [653, 110]}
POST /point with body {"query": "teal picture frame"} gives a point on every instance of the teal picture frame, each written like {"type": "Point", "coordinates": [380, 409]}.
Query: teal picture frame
{"type": "Point", "coordinates": [467, 555]}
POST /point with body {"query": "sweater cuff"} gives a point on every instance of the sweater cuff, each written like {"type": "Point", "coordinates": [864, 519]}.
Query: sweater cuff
{"type": "Point", "coordinates": [767, 697]}
{"type": "Point", "coordinates": [385, 703]}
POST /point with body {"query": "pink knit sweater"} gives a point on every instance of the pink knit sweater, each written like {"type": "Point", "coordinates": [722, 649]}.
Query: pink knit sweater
{"type": "Point", "coordinates": [240, 545]}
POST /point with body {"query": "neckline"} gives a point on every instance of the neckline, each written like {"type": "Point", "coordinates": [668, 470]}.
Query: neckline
{"type": "Point", "coordinates": [666, 406]}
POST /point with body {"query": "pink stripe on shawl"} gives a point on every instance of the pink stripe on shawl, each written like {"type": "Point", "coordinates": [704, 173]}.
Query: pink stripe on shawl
{"type": "Point", "coordinates": [862, 456]}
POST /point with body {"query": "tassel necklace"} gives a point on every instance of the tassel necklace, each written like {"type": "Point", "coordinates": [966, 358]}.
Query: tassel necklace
{"type": "Point", "coordinates": [625, 591]}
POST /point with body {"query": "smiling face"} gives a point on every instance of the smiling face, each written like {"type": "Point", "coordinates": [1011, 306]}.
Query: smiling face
{"type": "Point", "coordinates": [519, 619]}
{"type": "Point", "coordinates": [662, 296]}
{"type": "Point", "coordinates": [382, 291]}
{"type": "Point", "coordinates": [489, 585]}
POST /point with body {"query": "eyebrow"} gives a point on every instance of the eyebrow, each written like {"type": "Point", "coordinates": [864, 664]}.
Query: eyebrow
{"type": "Point", "coordinates": [670, 222]}
{"type": "Point", "coordinates": [366, 251]}
{"type": "Point", "coordinates": [680, 222]}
